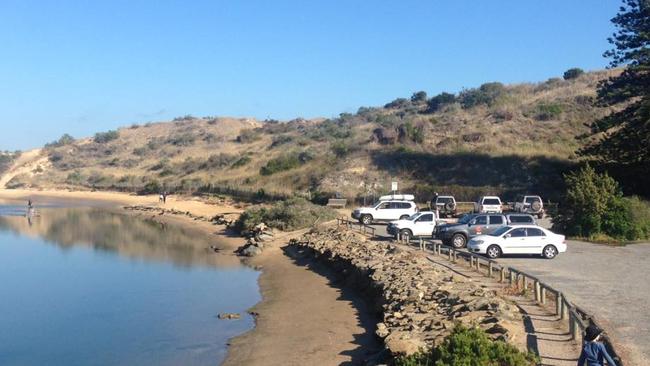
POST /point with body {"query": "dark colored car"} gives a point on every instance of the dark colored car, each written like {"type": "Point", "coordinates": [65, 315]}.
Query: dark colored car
{"type": "Point", "coordinates": [470, 225]}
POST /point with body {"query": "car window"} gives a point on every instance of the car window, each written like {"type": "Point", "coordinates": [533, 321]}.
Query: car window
{"type": "Point", "coordinates": [444, 200]}
{"type": "Point", "coordinates": [534, 232]}
{"type": "Point", "coordinates": [426, 218]}
{"type": "Point", "coordinates": [383, 206]}
{"type": "Point", "coordinates": [518, 232]}
{"type": "Point", "coordinates": [480, 220]}
{"type": "Point", "coordinates": [500, 231]}
{"type": "Point", "coordinates": [531, 199]}
{"type": "Point", "coordinates": [496, 220]}
{"type": "Point", "coordinates": [491, 201]}
{"type": "Point", "coordinates": [405, 205]}
{"type": "Point", "coordinates": [521, 219]}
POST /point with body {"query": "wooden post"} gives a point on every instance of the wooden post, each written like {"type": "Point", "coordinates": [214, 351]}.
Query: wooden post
{"type": "Point", "coordinates": [525, 283]}
{"type": "Point", "coordinates": [537, 294]}
{"type": "Point", "coordinates": [558, 304]}
{"type": "Point", "coordinates": [543, 295]}
{"type": "Point", "coordinates": [478, 265]}
{"type": "Point", "coordinates": [565, 309]}
{"type": "Point", "coordinates": [572, 326]}
{"type": "Point", "coordinates": [512, 277]}
{"type": "Point", "coordinates": [421, 244]}
{"type": "Point", "coordinates": [450, 254]}
{"type": "Point", "coordinates": [490, 269]}
{"type": "Point", "coordinates": [503, 274]}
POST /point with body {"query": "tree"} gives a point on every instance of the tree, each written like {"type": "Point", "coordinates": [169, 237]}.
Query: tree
{"type": "Point", "coordinates": [623, 137]}
{"type": "Point", "coordinates": [573, 73]}
{"type": "Point", "coordinates": [419, 97]}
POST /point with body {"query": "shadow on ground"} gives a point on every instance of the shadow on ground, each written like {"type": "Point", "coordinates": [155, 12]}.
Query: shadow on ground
{"type": "Point", "coordinates": [367, 344]}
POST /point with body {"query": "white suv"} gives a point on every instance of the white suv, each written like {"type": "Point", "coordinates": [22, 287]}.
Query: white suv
{"type": "Point", "coordinates": [530, 204]}
{"type": "Point", "coordinates": [488, 204]}
{"type": "Point", "coordinates": [385, 210]}
{"type": "Point", "coordinates": [419, 224]}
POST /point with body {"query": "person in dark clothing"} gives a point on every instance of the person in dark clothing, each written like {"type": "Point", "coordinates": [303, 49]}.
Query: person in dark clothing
{"type": "Point", "coordinates": [594, 351]}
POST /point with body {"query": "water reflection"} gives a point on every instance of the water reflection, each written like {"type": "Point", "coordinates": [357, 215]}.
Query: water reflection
{"type": "Point", "coordinates": [114, 232]}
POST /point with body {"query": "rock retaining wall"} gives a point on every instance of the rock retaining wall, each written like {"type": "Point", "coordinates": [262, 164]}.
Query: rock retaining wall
{"type": "Point", "coordinates": [419, 303]}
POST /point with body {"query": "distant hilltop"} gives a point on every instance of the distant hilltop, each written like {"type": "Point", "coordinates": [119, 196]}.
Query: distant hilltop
{"type": "Point", "coordinates": [495, 138]}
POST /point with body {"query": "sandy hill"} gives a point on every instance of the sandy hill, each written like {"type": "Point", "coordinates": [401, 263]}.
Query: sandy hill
{"type": "Point", "coordinates": [495, 138]}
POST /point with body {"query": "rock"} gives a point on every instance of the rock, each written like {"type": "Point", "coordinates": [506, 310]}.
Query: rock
{"type": "Point", "coordinates": [382, 330]}
{"type": "Point", "coordinates": [228, 316]}
{"type": "Point", "coordinates": [404, 343]}
{"type": "Point", "coordinates": [250, 250]}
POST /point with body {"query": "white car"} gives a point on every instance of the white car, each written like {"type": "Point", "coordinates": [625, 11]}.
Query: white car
{"type": "Point", "coordinates": [518, 239]}
{"type": "Point", "coordinates": [419, 224]}
{"type": "Point", "coordinates": [488, 204]}
{"type": "Point", "coordinates": [385, 211]}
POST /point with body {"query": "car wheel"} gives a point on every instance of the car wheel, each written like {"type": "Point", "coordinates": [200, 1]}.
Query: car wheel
{"type": "Point", "coordinates": [540, 215]}
{"type": "Point", "coordinates": [549, 252]}
{"type": "Point", "coordinates": [493, 251]}
{"type": "Point", "coordinates": [404, 217]}
{"type": "Point", "coordinates": [458, 241]}
{"type": "Point", "coordinates": [406, 235]}
{"type": "Point", "coordinates": [366, 219]}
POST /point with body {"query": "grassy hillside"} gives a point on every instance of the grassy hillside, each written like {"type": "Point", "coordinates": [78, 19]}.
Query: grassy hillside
{"type": "Point", "coordinates": [492, 139]}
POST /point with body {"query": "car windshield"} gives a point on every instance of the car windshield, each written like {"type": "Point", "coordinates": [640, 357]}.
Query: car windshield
{"type": "Point", "coordinates": [500, 231]}
{"type": "Point", "coordinates": [464, 219]}
{"type": "Point", "coordinates": [444, 199]}
{"type": "Point", "coordinates": [531, 199]}
{"type": "Point", "coordinates": [491, 201]}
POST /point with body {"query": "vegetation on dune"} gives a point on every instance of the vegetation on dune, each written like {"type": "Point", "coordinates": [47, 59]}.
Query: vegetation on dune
{"type": "Point", "coordinates": [104, 137]}
{"type": "Point", "coordinates": [291, 214]}
{"type": "Point", "coordinates": [595, 208]}
{"type": "Point", "coordinates": [470, 346]}
{"type": "Point", "coordinates": [65, 139]}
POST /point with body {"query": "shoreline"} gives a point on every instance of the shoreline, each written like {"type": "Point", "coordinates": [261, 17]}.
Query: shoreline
{"type": "Point", "coordinates": [304, 316]}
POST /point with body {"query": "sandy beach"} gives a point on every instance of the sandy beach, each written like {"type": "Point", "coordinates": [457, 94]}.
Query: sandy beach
{"type": "Point", "coordinates": [303, 318]}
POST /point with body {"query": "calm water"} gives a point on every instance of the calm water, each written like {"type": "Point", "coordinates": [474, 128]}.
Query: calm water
{"type": "Point", "coordinates": [83, 286]}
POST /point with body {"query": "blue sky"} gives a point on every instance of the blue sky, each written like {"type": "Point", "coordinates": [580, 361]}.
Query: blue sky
{"type": "Point", "coordinates": [80, 67]}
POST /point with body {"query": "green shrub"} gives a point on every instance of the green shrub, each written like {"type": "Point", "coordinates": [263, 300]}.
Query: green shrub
{"type": "Point", "coordinates": [440, 100]}
{"type": "Point", "coordinates": [185, 139]}
{"type": "Point", "coordinates": [547, 111]}
{"type": "Point", "coordinates": [573, 73]}
{"type": "Point", "coordinates": [104, 137]}
{"type": "Point", "coordinates": [62, 141]}
{"type": "Point", "coordinates": [594, 206]}
{"type": "Point", "coordinates": [281, 140]}
{"type": "Point", "coordinates": [419, 97]}
{"type": "Point", "coordinates": [340, 149]}
{"type": "Point", "coordinates": [248, 135]}
{"type": "Point", "coordinates": [241, 162]}
{"type": "Point", "coordinates": [151, 187]}
{"type": "Point", "coordinates": [292, 214]}
{"type": "Point", "coordinates": [398, 103]}
{"type": "Point", "coordinates": [286, 162]}
{"type": "Point", "coordinates": [470, 346]}
{"type": "Point", "coordinates": [487, 94]}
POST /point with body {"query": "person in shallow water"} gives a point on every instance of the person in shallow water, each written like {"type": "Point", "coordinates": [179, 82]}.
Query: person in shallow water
{"type": "Point", "coordinates": [594, 351]}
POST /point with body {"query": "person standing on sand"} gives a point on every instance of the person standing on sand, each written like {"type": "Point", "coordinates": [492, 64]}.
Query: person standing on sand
{"type": "Point", "coordinates": [594, 351]}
